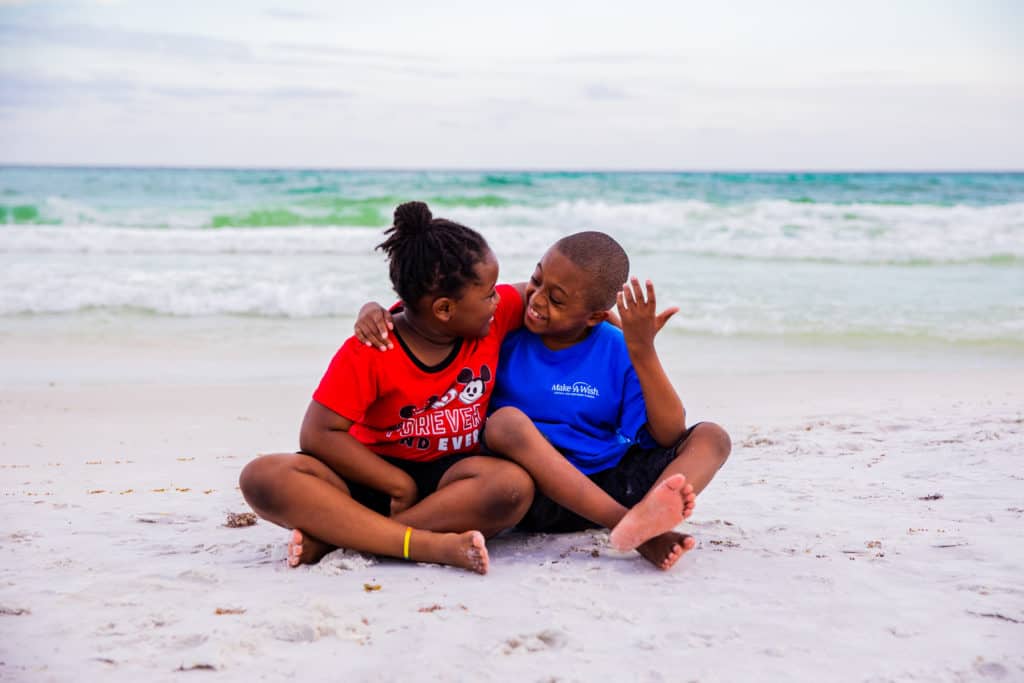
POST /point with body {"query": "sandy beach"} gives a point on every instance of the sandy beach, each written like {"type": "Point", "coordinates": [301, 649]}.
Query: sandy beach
{"type": "Point", "coordinates": [867, 527]}
{"type": "Point", "coordinates": [193, 197]}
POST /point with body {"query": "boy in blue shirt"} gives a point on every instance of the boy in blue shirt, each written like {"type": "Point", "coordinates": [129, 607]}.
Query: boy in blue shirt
{"type": "Point", "coordinates": [588, 410]}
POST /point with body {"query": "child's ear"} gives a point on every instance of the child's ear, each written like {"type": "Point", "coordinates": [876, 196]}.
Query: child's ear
{"type": "Point", "coordinates": [443, 308]}
{"type": "Point", "coordinates": [596, 318]}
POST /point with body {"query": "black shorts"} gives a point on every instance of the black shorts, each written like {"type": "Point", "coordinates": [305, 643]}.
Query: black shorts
{"type": "Point", "coordinates": [628, 482]}
{"type": "Point", "coordinates": [427, 476]}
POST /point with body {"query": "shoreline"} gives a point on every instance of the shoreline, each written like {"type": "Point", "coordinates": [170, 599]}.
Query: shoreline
{"type": "Point", "coordinates": [302, 347]}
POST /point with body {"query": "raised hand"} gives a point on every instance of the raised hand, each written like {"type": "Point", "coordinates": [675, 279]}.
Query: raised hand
{"type": "Point", "coordinates": [662, 318]}
{"type": "Point", "coordinates": [640, 322]}
{"type": "Point", "coordinates": [373, 324]}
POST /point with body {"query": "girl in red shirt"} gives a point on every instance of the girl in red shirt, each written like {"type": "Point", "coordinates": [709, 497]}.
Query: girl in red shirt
{"type": "Point", "coordinates": [389, 459]}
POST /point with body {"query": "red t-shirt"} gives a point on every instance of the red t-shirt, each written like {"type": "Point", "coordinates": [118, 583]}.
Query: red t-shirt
{"type": "Point", "coordinates": [404, 409]}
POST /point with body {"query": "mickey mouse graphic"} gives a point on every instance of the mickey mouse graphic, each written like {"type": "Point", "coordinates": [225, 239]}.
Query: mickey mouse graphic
{"type": "Point", "coordinates": [475, 386]}
{"type": "Point", "coordinates": [468, 388]}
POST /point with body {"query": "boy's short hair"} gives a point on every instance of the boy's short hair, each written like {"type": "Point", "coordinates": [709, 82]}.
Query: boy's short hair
{"type": "Point", "coordinates": [603, 260]}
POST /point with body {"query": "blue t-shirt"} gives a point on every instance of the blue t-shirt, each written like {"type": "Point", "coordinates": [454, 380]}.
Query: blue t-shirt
{"type": "Point", "coordinates": [586, 399]}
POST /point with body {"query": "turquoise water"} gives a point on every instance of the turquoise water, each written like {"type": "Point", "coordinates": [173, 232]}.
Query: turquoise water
{"type": "Point", "coordinates": [253, 198]}
{"type": "Point", "coordinates": [833, 256]}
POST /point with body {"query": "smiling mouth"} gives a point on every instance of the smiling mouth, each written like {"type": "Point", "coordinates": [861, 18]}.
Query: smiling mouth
{"type": "Point", "coordinates": [534, 315]}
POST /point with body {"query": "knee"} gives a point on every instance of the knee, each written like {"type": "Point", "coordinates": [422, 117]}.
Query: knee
{"type": "Point", "coordinates": [510, 493]}
{"type": "Point", "coordinates": [504, 426]}
{"type": "Point", "coordinates": [714, 439]}
{"type": "Point", "coordinates": [257, 481]}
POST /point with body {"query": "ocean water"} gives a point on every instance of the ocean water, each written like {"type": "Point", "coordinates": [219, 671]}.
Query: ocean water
{"type": "Point", "coordinates": [901, 257]}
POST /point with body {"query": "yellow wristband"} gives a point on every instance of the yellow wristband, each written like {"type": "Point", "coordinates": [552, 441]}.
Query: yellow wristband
{"type": "Point", "coordinates": [405, 545]}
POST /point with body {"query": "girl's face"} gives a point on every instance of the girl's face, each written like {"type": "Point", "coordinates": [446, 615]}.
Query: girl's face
{"type": "Point", "coordinates": [473, 312]}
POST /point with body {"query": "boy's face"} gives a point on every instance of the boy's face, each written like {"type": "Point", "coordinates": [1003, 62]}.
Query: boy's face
{"type": "Point", "coordinates": [472, 313]}
{"type": "Point", "coordinates": [556, 301]}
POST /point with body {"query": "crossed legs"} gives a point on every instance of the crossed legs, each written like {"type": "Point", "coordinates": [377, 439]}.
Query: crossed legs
{"type": "Point", "coordinates": [299, 492]}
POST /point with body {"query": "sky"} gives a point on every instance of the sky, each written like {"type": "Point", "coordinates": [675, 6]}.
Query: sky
{"type": "Point", "coordinates": [730, 85]}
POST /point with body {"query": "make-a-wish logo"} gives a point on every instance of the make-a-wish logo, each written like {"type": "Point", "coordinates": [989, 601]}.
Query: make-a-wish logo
{"type": "Point", "coordinates": [575, 389]}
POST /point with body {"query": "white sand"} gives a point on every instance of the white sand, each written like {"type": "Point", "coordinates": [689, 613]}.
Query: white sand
{"type": "Point", "coordinates": [820, 556]}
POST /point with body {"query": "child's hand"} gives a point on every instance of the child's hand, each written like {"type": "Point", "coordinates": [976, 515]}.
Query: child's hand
{"type": "Point", "coordinates": [640, 323]}
{"type": "Point", "coordinates": [405, 496]}
{"type": "Point", "coordinates": [373, 324]}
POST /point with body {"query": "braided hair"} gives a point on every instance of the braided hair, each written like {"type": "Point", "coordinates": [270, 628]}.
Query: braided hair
{"type": "Point", "coordinates": [430, 256]}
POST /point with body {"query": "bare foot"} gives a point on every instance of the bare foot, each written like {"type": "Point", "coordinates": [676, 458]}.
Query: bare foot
{"type": "Point", "coordinates": [466, 550]}
{"type": "Point", "coordinates": [304, 549]}
{"type": "Point", "coordinates": [664, 550]}
{"type": "Point", "coordinates": [660, 511]}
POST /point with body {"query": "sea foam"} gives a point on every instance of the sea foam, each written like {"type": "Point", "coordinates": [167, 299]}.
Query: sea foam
{"type": "Point", "coordinates": [847, 255]}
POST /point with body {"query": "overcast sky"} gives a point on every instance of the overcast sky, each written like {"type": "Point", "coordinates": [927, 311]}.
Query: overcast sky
{"type": "Point", "coordinates": [525, 84]}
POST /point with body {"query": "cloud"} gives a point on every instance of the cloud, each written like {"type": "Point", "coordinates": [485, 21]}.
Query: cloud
{"type": "Point", "coordinates": [293, 14]}
{"type": "Point", "coordinates": [377, 60]}
{"type": "Point", "coordinates": [101, 38]}
{"type": "Point", "coordinates": [18, 91]}
{"type": "Point", "coordinates": [322, 50]}
{"type": "Point", "coordinates": [603, 91]}
{"type": "Point", "coordinates": [21, 91]}
{"type": "Point", "coordinates": [613, 58]}
{"type": "Point", "coordinates": [270, 94]}
{"type": "Point", "coordinates": [177, 46]}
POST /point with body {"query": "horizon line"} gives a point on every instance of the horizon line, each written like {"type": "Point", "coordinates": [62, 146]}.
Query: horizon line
{"type": "Point", "coordinates": [512, 169]}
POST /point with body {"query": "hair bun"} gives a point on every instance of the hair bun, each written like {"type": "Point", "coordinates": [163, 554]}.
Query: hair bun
{"type": "Point", "coordinates": [412, 218]}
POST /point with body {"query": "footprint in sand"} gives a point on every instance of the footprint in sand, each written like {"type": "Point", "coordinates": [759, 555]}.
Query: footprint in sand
{"type": "Point", "coordinates": [196, 576]}
{"type": "Point", "coordinates": [991, 669]}
{"type": "Point", "coordinates": [548, 639]}
{"type": "Point", "coordinates": [293, 632]}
